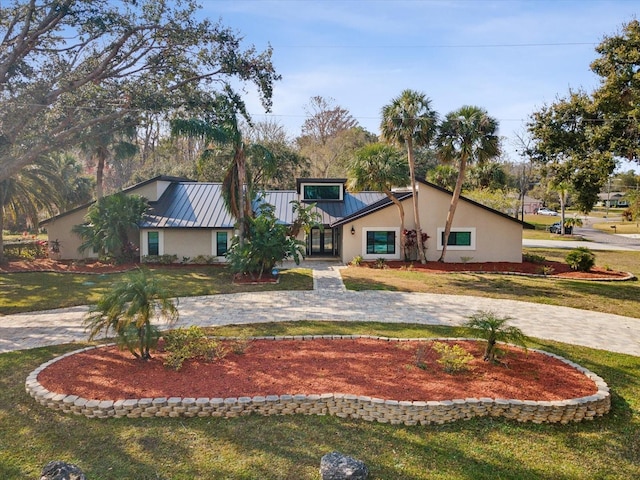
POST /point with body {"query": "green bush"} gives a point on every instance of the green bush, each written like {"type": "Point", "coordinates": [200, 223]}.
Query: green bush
{"type": "Point", "coordinates": [203, 260]}
{"type": "Point", "coordinates": [357, 261]}
{"type": "Point", "coordinates": [185, 344]}
{"type": "Point", "coordinates": [27, 250]}
{"type": "Point", "coordinates": [581, 259]}
{"type": "Point", "coordinates": [533, 258]}
{"type": "Point", "coordinates": [165, 259]}
{"type": "Point", "coordinates": [453, 358]}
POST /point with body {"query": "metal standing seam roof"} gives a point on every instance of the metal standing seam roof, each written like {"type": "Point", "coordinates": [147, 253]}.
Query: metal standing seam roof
{"type": "Point", "coordinates": [189, 205]}
{"type": "Point", "coordinates": [200, 205]}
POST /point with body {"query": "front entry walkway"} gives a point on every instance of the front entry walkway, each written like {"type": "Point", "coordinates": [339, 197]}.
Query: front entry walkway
{"type": "Point", "coordinates": [330, 301]}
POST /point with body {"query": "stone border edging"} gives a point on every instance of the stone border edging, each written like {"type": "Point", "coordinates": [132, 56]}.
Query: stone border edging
{"type": "Point", "coordinates": [339, 404]}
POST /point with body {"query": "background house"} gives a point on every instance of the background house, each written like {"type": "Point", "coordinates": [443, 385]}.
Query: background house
{"type": "Point", "coordinates": [188, 219]}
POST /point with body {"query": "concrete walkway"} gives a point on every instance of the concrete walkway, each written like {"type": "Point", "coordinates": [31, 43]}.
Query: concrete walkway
{"type": "Point", "coordinates": [330, 301]}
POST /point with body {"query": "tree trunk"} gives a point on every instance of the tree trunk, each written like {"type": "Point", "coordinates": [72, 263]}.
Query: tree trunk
{"type": "Point", "coordinates": [242, 174]}
{"type": "Point", "coordinates": [452, 207]}
{"type": "Point", "coordinates": [416, 212]}
{"type": "Point", "coordinates": [3, 195]}
{"type": "Point", "coordinates": [100, 156]}
{"type": "Point", "coordinates": [562, 208]}
{"type": "Point", "coordinates": [398, 204]}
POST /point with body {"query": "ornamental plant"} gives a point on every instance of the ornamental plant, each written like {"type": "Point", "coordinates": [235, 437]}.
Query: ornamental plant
{"type": "Point", "coordinates": [581, 259]}
{"type": "Point", "coordinates": [128, 309]}
{"type": "Point", "coordinates": [492, 328]}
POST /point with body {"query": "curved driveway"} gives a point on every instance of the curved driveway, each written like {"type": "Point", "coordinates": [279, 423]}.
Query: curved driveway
{"type": "Point", "coordinates": [330, 301]}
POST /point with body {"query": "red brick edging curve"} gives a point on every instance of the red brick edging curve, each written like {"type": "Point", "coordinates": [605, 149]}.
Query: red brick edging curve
{"type": "Point", "coordinates": [338, 404]}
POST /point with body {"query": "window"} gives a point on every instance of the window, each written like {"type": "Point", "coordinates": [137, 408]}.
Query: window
{"type": "Point", "coordinates": [322, 192]}
{"type": "Point", "coordinates": [381, 243]}
{"type": "Point", "coordinates": [459, 239]}
{"type": "Point", "coordinates": [221, 244]}
{"type": "Point", "coordinates": [153, 243]}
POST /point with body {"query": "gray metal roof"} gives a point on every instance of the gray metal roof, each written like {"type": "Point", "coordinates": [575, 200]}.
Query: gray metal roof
{"type": "Point", "coordinates": [189, 205]}
{"type": "Point", "coordinates": [200, 205]}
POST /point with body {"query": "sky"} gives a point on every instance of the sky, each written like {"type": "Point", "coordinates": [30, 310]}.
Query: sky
{"type": "Point", "coordinates": [509, 57]}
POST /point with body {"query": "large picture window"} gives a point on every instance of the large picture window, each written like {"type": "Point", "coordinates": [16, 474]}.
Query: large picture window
{"type": "Point", "coordinates": [221, 243]}
{"type": "Point", "coordinates": [153, 243]}
{"type": "Point", "coordinates": [381, 243]}
{"type": "Point", "coordinates": [322, 192]}
{"type": "Point", "coordinates": [460, 238]}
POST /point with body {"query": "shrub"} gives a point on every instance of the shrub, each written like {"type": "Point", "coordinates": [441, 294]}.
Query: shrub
{"type": "Point", "coordinates": [546, 270]}
{"type": "Point", "coordinates": [165, 259]}
{"type": "Point", "coordinates": [453, 358]}
{"type": "Point", "coordinates": [380, 263]}
{"type": "Point", "coordinates": [581, 259]}
{"type": "Point", "coordinates": [533, 258]}
{"type": "Point", "coordinates": [203, 259]}
{"type": "Point", "coordinates": [490, 327]}
{"type": "Point", "coordinates": [357, 261]}
{"type": "Point", "coordinates": [185, 344]}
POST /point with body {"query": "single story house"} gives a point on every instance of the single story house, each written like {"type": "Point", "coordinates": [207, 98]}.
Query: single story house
{"type": "Point", "coordinates": [188, 219]}
{"type": "Point", "coordinates": [613, 199]}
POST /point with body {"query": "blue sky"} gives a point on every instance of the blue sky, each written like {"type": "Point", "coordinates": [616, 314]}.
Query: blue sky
{"type": "Point", "coordinates": [509, 57]}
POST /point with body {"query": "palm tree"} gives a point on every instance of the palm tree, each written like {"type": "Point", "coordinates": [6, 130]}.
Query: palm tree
{"type": "Point", "coordinates": [467, 135]}
{"type": "Point", "coordinates": [493, 329]}
{"type": "Point", "coordinates": [379, 167]}
{"type": "Point", "coordinates": [35, 188]}
{"type": "Point", "coordinates": [109, 142]}
{"type": "Point", "coordinates": [108, 223]}
{"type": "Point", "coordinates": [409, 121]}
{"type": "Point", "coordinates": [128, 308]}
{"type": "Point", "coordinates": [223, 140]}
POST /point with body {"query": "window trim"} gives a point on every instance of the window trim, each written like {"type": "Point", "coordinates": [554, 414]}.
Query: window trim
{"type": "Point", "coordinates": [145, 242]}
{"type": "Point", "coordinates": [215, 242]}
{"type": "Point", "coordinates": [471, 230]}
{"type": "Point", "coordinates": [374, 256]}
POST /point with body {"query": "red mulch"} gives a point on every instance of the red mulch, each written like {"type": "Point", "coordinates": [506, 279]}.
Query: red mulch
{"type": "Point", "coordinates": [560, 270]}
{"type": "Point", "coordinates": [368, 367]}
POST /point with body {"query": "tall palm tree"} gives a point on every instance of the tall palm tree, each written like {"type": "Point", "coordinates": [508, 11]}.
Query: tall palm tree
{"type": "Point", "coordinates": [223, 140]}
{"type": "Point", "coordinates": [34, 189]}
{"type": "Point", "coordinates": [409, 121]}
{"type": "Point", "coordinates": [128, 308]}
{"type": "Point", "coordinates": [109, 142]}
{"type": "Point", "coordinates": [379, 167]}
{"type": "Point", "coordinates": [466, 135]}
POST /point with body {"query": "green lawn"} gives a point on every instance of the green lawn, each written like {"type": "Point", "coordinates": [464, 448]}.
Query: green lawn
{"type": "Point", "coordinates": [610, 297]}
{"type": "Point", "coordinates": [290, 447]}
{"type": "Point", "coordinates": [23, 292]}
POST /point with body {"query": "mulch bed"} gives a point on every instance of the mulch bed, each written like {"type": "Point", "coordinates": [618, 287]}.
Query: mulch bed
{"type": "Point", "coordinates": [559, 270]}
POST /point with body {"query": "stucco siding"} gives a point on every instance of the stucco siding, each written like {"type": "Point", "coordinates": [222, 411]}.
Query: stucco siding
{"type": "Point", "coordinates": [495, 238]}
{"type": "Point", "coordinates": [60, 229]}
{"type": "Point", "coordinates": [188, 242]}
{"type": "Point", "coordinates": [151, 191]}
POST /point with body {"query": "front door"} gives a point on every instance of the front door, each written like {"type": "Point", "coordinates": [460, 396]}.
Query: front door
{"type": "Point", "coordinates": [322, 242]}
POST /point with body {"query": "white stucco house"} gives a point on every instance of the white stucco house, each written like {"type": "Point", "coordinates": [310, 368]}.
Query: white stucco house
{"type": "Point", "coordinates": [188, 219]}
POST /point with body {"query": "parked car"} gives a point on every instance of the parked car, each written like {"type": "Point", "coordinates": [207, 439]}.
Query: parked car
{"type": "Point", "coordinates": [546, 211]}
{"type": "Point", "coordinates": [557, 228]}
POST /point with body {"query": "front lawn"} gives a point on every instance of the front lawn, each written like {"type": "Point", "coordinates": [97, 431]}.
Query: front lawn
{"type": "Point", "coordinates": [23, 292]}
{"type": "Point", "coordinates": [290, 447]}
{"type": "Point", "coordinates": [610, 297]}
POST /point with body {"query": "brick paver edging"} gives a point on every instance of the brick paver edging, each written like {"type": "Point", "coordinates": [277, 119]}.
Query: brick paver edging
{"type": "Point", "coordinates": [338, 404]}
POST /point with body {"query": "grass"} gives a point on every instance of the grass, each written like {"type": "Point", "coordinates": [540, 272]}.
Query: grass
{"type": "Point", "coordinates": [610, 297]}
{"type": "Point", "coordinates": [290, 447]}
{"type": "Point", "coordinates": [621, 227]}
{"type": "Point", "coordinates": [33, 291]}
